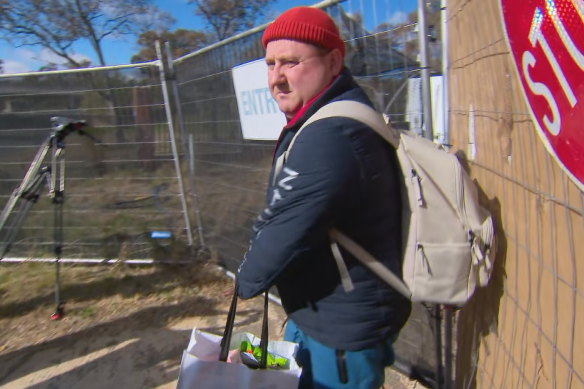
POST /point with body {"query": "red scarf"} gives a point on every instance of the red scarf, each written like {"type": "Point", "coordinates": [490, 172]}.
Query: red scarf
{"type": "Point", "coordinates": [298, 115]}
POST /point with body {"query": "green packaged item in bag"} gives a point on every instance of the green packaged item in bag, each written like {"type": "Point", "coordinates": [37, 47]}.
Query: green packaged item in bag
{"type": "Point", "coordinates": [251, 355]}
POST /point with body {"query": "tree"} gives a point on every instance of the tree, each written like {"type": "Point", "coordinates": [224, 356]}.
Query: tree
{"type": "Point", "coordinates": [229, 17]}
{"type": "Point", "coordinates": [181, 41]}
{"type": "Point", "coordinates": [55, 66]}
{"type": "Point", "coordinates": [57, 24]}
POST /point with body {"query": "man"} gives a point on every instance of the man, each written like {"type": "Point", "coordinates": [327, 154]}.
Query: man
{"type": "Point", "coordinates": [339, 173]}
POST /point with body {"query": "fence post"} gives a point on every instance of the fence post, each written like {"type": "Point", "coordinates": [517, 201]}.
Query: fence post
{"type": "Point", "coordinates": [188, 148]}
{"type": "Point", "coordinates": [194, 191]}
{"type": "Point", "coordinates": [425, 71]}
{"type": "Point", "coordinates": [448, 318]}
{"type": "Point", "coordinates": [445, 64]}
{"type": "Point", "coordinates": [165, 76]}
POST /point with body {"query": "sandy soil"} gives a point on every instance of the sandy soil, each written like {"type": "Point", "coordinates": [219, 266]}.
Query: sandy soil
{"type": "Point", "coordinates": [120, 354]}
{"type": "Point", "coordinates": [128, 332]}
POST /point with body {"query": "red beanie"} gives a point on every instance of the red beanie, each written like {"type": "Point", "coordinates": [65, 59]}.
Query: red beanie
{"type": "Point", "coordinates": [305, 24]}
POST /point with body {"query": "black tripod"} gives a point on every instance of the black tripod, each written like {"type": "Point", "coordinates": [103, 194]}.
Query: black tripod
{"type": "Point", "coordinates": [27, 193]}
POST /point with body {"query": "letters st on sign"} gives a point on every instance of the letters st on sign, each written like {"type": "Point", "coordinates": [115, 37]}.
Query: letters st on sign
{"type": "Point", "coordinates": [546, 39]}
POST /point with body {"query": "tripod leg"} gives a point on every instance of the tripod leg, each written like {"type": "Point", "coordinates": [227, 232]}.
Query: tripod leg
{"type": "Point", "coordinates": [58, 195]}
{"type": "Point", "coordinates": [12, 230]}
{"type": "Point", "coordinates": [34, 171]}
{"type": "Point", "coordinates": [58, 238]}
{"type": "Point", "coordinates": [59, 310]}
{"type": "Point", "coordinates": [20, 203]}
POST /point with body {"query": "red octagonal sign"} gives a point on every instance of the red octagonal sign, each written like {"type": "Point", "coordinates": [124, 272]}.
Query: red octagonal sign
{"type": "Point", "coordinates": [546, 38]}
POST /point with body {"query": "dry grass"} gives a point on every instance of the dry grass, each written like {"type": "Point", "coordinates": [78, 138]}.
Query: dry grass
{"type": "Point", "coordinates": [99, 294]}
{"type": "Point", "coordinates": [123, 326]}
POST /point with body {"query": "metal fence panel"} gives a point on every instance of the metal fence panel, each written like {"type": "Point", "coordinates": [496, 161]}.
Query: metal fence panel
{"type": "Point", "coordinates": [230, 172]}
{"type": "Point", "coordinates": [125, 186]}
{"type": "Point", "coordinates": [119, 187]}
{"type": "Point", "coordinates": [520, 332]}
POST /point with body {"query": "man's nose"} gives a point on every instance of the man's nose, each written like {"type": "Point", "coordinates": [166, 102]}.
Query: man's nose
{"type": "Point", "coordinates": [277, 74]}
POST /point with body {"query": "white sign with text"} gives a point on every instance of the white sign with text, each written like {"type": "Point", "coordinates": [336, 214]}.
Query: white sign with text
{"type": "Point", "coordinates": [258, 112]}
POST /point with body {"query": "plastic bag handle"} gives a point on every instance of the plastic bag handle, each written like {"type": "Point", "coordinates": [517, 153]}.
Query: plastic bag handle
{"type": "Point", "coordinates": [228, 332]}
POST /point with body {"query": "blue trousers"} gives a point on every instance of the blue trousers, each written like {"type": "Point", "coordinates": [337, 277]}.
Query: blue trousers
{"type": "Point", "coordinates": [326, 368]}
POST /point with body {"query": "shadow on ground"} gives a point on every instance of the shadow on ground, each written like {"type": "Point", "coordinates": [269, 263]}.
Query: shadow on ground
{"type": "Point", "coordinates": [137, 351]}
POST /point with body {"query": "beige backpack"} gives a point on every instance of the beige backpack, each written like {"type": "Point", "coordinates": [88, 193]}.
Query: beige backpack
{"type": "Point", "coordinates": [448, 237]}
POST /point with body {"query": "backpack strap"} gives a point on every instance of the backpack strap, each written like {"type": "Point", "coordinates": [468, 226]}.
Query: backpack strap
{"type": "Point", "coordinates": [362, 113]}
{"type": "Point", "coordinates": [348, 109]}
{"type": "Point", "coordinates": [370, 262]}
{"type": "Point", "coordinates": [373, 119]}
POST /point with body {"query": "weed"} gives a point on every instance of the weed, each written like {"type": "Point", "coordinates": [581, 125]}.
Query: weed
{"type": "Point", "coordinates": [86, 312]}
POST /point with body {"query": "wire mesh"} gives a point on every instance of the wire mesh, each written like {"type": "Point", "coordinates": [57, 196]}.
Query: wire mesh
{"type": "Point", "coordinates": [522, 331]}
{"type": "Point", "coordinates": [120, 183]}
{"type": "Point", "coordinates": [230, 172]}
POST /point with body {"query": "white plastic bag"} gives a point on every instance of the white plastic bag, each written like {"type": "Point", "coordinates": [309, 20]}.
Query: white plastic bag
{"type": "Point", "coordinates": [201, 368]}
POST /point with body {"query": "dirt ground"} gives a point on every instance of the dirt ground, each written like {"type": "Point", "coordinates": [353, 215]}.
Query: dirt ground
{"type": "Point", "coordinates": [124, 327]}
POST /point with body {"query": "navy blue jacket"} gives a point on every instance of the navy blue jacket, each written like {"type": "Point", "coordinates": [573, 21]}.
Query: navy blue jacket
{"type": "Point", "coordinates": [339, 173]}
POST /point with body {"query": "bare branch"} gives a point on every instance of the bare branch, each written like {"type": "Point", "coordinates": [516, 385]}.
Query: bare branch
{"type": "Point", "coordinates": [229, 17]}
{"type": "Point", "coordinates": [57, 24]}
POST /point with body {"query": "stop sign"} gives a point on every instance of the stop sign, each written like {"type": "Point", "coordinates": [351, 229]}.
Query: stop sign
{"type": "Point", "coordinates": [546, 39]}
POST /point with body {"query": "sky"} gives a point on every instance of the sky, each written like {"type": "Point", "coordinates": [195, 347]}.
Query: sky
{"type": "Point", "coordinates": [119, 51]}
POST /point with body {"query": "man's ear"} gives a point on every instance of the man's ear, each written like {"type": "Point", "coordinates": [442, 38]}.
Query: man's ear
{"type": "Point", "coordinates": [337, 61]}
